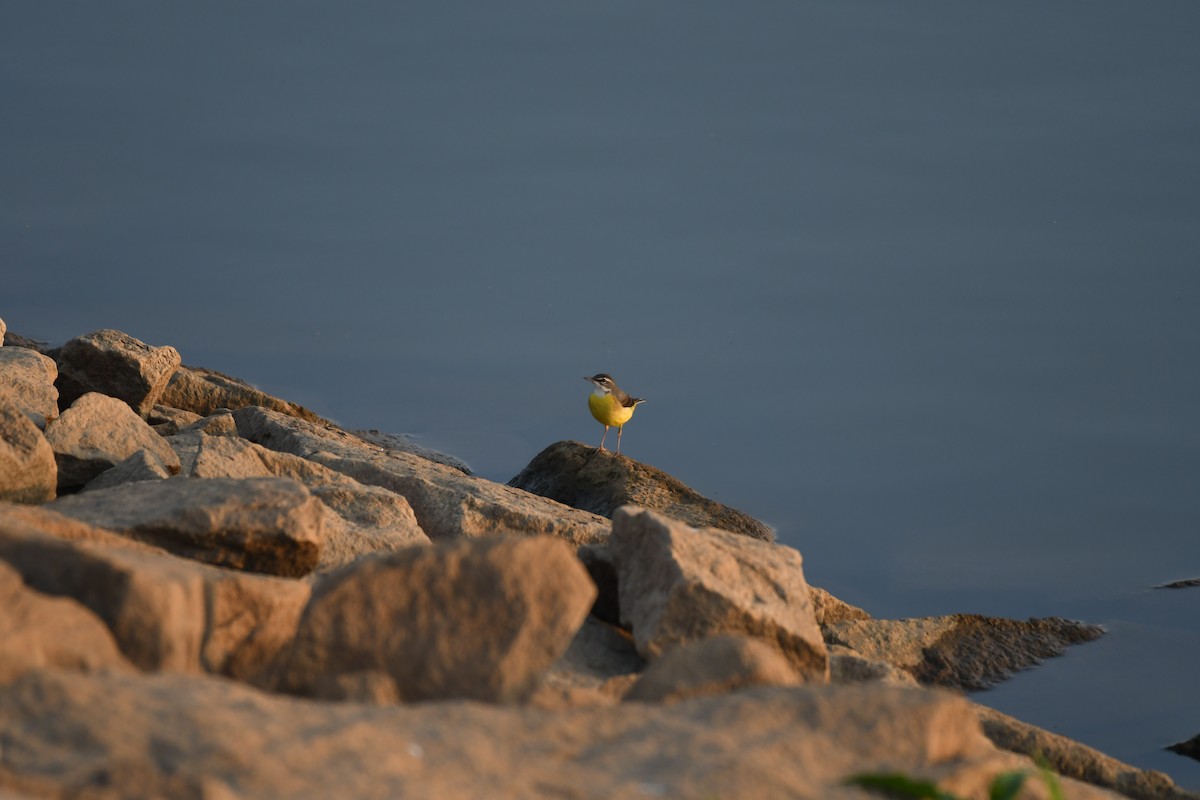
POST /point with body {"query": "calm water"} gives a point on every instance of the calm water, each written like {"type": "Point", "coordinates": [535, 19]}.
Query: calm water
{"type": "Point", "coordinates": [917, 284]}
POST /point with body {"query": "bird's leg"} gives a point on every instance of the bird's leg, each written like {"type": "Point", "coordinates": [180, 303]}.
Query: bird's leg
{"type": "Point", "coordinates": [602, 438]}
{"type": "Point", "coordinates": [619, 429]}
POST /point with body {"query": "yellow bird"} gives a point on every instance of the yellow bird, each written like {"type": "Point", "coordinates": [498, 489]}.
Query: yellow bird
{"type": "Point", "coordinates": [610, 406]}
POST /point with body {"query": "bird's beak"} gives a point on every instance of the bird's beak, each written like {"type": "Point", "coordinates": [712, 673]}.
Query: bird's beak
{"type": "Point", "coordinates": [586, 378]}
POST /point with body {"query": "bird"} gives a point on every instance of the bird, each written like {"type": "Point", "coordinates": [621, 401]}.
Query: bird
{"type": "Point", "coordinates": [610, 406]}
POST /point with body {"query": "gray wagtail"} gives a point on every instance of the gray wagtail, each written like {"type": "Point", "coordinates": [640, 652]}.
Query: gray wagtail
{"type": "Point", "coordinates": [610, 406]}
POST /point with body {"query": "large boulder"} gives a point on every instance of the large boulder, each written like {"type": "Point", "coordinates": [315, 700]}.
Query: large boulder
{"type": "Point", "coordinates": [963, 651]}
{"type": "Point", "coordinates": [680, 584]}
{"type": "Point", "coordinates": [601, 482]}
{"type": "Point", "coordinates": [28, 472]}
{"type": "Point", "coordinates": [717, 665]}
{"type": "Point", "coordinates": [478, 619]}
{"type": "Point", "coordinates": [116, 364]}
{"type": "Point", "coordinates": [203, 391]}
{"type": "Point", "coordinates": [28, 377]}
{"type": "Point", "coordinates": [41, 631]}
{"type": "Point", "coordinates": [190, 736]}
{"type": "Point", "coordinates": [165, 613]}
{"type": "Point", "coordinates": [447, 503]}
{"type": "Point", "coordinates": [365, 519]}
{"type": "Point", "coordinates": [271, 525]}
{"type": "Point", "coordinates": [95, 434]}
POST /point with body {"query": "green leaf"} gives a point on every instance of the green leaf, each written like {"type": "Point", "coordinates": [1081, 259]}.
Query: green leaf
{"type": "Point", "coordinates": [1007, 786]}
{"type": "Point", "coordinates": [898, 785]}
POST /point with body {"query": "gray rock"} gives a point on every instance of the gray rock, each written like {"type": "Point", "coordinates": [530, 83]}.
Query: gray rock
{"type": "Point", "coordinates": [165, 613]}
{"type": "Point", "coordinates": [365, 519]}
{"type": "Point", "coordinates": [717, 665]}
{"type": "Point", "coordinates": [404, 444]}
{"type": "Point", "coordinates": [447, 503]}
{"type": "Point", "coordinates": [478, 619]}
{"type": "Point", "coordinates": [186, 736]}
{"type": "Point", "coordinates": [141, 466]}
{"type": "Point", "coordinates": [204, 391]}
{"type": "Point", "coordinates": [41, 631]}
{"type": "Point", "coordinates": [28, 377]}
{"type": "Point", "coordinates": [116, 364]}
{"type": "Point", "coordinates": [964, 651]}
{"type": "Point", "coordinates": [679, 584]}
{"type": "Point", "coordinates": [98, 432]}
{"type": "Point", "coordinates": [28, 472]}
{"type": "Point", "coordinates": [601, 482]}
{"type": "Point", "coordinates": [271, 525]}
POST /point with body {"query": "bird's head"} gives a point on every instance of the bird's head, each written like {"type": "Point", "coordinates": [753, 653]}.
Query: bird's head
{"type": "Point", "coordinates": [603, 383]}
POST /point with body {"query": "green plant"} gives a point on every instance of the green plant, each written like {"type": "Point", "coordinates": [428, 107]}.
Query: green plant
{"type": "Point", "coordinates": [1005, 786]}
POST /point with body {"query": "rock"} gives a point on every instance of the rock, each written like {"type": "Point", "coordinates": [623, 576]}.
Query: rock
{"type": "Point", "coordinates": [185, 736]}
{"type": "Point", "coordinates": [598, 653]}
{"type": "Point", "coordinates": [597, 559]}
{"type": "Point", "coordinates": [447, 503]}
{"type": "Point", "coordinates": [717, 665]}
{"type": "Point", "coordinates": [601, 482]}
{"type": "Point", "coordinates": [28, 377]}
{"type": "Point", "coordinates": [1074, 760]}
{"type": "Point", "coordinates": [964, 651]}
{"type": "Point", "coordinates": [28, 472]}
{"type": "Point", "coordinates": [680, 584]}
{"type": "Point", "coordinates": [475, 619]}
{"type": "Point", "coordinates": [40, 631]}
{"type": "Point", "coordinates": [141, 466]}
{"type": "Point", "coordinates": [271, 525]}
{"type": "Point", "coordinates": [97, 433]}
{"type": "Point", "coordinates": [16, 340]}
{"type": "Point", "coordinates": [1186, 583]}
{"type": "Point", "coordinates": [166, 613]}
{"type": "Point", "coordinates": [1190, 748]}
{"type": "Point", "coordinates": [829, 610]}
{"type": "Point", "coordinates": [365, 519]}
{"type": "Point", "coordinates": [168, 421]}
{"type": "Point", "coordinates": [404, 444]}
{"type": "Point", "coordinates": [204, 391]}
{"type": "Point", "coordinates": [850, 666]}
{"type": "Point", "coordinates": [118, 365]}
{"type": "Point", "coordinates": [59, 526]}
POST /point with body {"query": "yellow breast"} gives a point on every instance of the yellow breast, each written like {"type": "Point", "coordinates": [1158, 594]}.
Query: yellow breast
{"type": "Point", "coordinates": [607, 410]}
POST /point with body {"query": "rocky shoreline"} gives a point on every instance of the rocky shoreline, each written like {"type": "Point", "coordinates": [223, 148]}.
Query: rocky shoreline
{"type": "Point", "coordinates": [210, 592]}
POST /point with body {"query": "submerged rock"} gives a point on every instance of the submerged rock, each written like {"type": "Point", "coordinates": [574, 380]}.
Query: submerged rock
{"type": "Point", "coordinates": [116, 364]}
{"type": "Point", "coordinates": [601, 482]}
{"type": "Point", "coordinates": [680, 584]}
